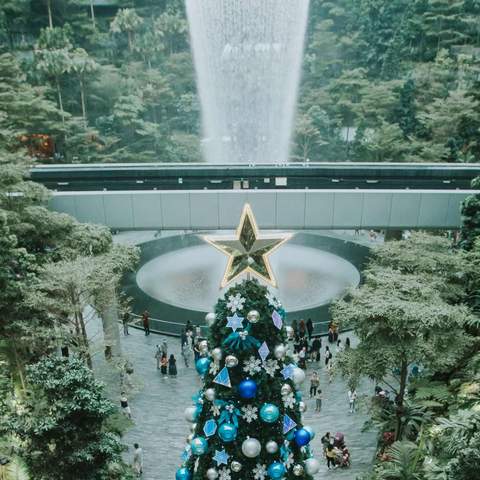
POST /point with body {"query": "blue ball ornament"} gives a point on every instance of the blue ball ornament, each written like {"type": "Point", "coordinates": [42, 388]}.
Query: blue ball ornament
{"type": "Point", "coordinates": [202, 365]}
{"type": "Point", "coordinates": [199, 446]}
{"type": "Point", "coordinates": [310, 431]}
{"type": "Point", "coordinates": [183, 474]}
{"type": "Point", "coordinates": [247, 389]}
{"type": "Point", "coordinates": [227, 432]}
{"type": "Point", "coordinates": [276, 470]}
{"type": "Point", "coordinates": [302, 437]}
{"type": "Point", "coordinates": [298, 395]}
{"type": "Point", "coordinates": [269, 413]}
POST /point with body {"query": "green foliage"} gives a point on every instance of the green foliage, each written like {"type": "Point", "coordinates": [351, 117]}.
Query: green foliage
{"type": "Point", "coordinates": [61, 423]}
{"type": "Point", "coordinates": [269, 385]}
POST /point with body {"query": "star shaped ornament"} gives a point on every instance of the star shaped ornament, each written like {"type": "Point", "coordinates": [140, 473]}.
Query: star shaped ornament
{"type": "Point", "coordinates": [247, 250]}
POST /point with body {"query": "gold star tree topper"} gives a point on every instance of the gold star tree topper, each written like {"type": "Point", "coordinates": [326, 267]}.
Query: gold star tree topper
{"type": "Point", "coordinates": [247, 250]}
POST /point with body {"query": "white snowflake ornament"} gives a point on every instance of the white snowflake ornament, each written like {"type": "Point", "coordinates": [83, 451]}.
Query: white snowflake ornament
{"type": "Point", "coordinates": [250, 413]}
{"type": "Point", "coordinates": [289, 400]}
{"type": "Point", "coordinates": [270, 367]}
{"type": "Point", "coordinates": [215, 409]}
{"type": "Point", "coordinates": [260, 472]}
{"type": "Point", "coordinates": [289, 461]}
{"type": "Point", "coordinates": [252, 365]}
{"type": "Point", "coordinates": [235, 303]}
{"type": "Point", "coordinates": [214, 368]}
{"type": "Point", "coordinates": [272, 301]}
{"type": "Point", "coordinates": [224, 474]}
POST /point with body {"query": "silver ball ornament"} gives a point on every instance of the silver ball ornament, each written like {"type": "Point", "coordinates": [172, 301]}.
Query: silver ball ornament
{"type": "Point", "coordinates": [231, 361]}
{"type": "Point", "coordinates": [298, 376]}
{"type": "Point", "coordinates": [298, 470]}
{"type": "Point", "coordinates": [210, 394]}
{"type": "Point", "coordinates": [190, 437]}
{"type": "Point", "coordinates": [235, 466]}
{"type": "Point", "coordinates": [212, 474]}
{"type": "Point", "coordinates": [253, 316]}
{"type": "Point", "coordinates": [280, 351]}
{"type": "Point", "coordinates": [312, 466]}
{"type": "Point", "coordinates": [203, 346]}
{"type": "Point", "coordinates": [271, 446]}
{"type": "Point", "coordinates": [251, 448]}
{"type": "Point", "coordinates": [290, 331]}
{"type": "Point", "coordinates": [217, 354]}
{"type": "Point", "coordinates": [286, 389]}
{"type": "Point", "coordinates": [210, 318]}
{"type": "Point", "coordinates": [191, 414]}
{"type": "Point", "coordinates": [302, 406]}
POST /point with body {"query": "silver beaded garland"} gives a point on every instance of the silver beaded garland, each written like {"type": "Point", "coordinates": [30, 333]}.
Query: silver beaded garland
{"type": "Point", "coordinates": [253, 316]}
{"type": "Point", "coordinates": [235, 466]}
{"type": "Point", "coordinates": [286, 389]}
{"type": "Point", "coordinates": [210, 394]}
{"type": "Point", "coordinates": [298, 470]}
{"type": "Point", "coordinates": [231, 361]}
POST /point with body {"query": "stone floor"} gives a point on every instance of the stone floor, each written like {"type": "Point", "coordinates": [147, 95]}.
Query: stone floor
{"type": "Point", "coordinates": [158, 404]}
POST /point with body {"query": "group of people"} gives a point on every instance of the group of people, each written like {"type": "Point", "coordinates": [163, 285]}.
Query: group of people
{"type": "Point", "coordinates": [166, 365]}
{"type": "Point", "coordinates": [335, 451]}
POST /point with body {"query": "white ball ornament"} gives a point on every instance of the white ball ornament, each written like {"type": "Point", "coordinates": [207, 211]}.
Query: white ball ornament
{"type": "Point", "coordinates": [235, 466]}
{"type": "Point", "coordinates": [312, 466]}
{"type": "Point", "coordinates": [231, 361]}
{"type": "Point", "coordinates": [271, 446]}
{"type": "Point", "coordinates": [251, 448]}
{"type": "Point", "coordinates": [280, 351]}
{"type": "Point", "coordinates": [302, 406]}
{"type": "Point", "coordinates": [298, 376]}
{"type": "Point", "coordinates": [203, 346]}
{"type": "Point", "coordinates": [290, 331]}
{"type": "Point", "coordinates": [210, 318]}
{"type": "Point", "coordinates": [298, 470]}
{"type": "Point", "coordinates": [191, 414]}
{"type": "Point", "coordinates": [210, 394]}
{"type": "Point", "coordinates": [217, 354]}
{"type": "Point", "coordinates": [212, 474]}
{"type": "Point", "coordinates": [253, 316]}
{"type": "Point", "coordinates": [286, 389]}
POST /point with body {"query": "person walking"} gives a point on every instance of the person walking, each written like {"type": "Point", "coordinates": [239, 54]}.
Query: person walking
{"type": "Point", "coordinates": [330, 454]}
{"type": "Point", "coordinates": [146, 322]}
{"type": "Point", "coordinates": [339, 347]}
{"type": "Point", "coordinates": [318, 401]}
{"type": "Point", "coordinates": [314, 384]}
{"type": "Point", "coordinates": [347, 343]}
{"type": "Point", "coordinates": [163, 364]}
{"type": "Point", "coordinates": [302, 329]}
{"type": "Point", "coordinates": [158, 355]}
{"type": "Point", "coordinates": [125, 322]}
{"type": "Point", "coordinates": [302, 358]}
{"type": "Point", "coordinates": [309, 328]}
{"type": "Point", "coordinates": [295, 327]}
{"type": "Point", "coordinates": [137, 459]}
{"type": "Point", "coordinates": [187, 353]}
{"type": "Point", "coordinates": [316, 348]}
{"type": "Point", "coordinates": [124, 405]}
{"type": "Point", "coordinates": [328, 355]}
{"type": "Point", "coordinates": [352, 398]}
{"type": "Point", "coordinates": [326, 440]}
{"type": "Point", "coordinates": [172, 366]}
{"type": "Point", "coordinates": [164, 347]}
{"type": "Point", "coordinates": [183, 338]}
{"type": "Point", "coordinates": [198, 331]}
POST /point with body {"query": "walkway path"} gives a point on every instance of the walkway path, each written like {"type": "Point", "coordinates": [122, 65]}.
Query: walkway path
{"type": "Point", "coordinates": [158, 404]}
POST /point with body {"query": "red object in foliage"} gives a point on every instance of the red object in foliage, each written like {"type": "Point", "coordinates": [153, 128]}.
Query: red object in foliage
{"type": "Point", "coordinates": [388, 438]}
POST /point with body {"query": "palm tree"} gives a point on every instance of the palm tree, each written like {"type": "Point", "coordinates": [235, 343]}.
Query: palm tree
{"type": "Point", "coordinates": [126, 20]}
{"type": "Point", "coordinates": [403, 463]}
{"type": "Point", "coordinates": [82, 64]}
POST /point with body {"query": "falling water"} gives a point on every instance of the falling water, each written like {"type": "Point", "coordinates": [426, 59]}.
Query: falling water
{"type": "Point", "coordinates": [248, 56]}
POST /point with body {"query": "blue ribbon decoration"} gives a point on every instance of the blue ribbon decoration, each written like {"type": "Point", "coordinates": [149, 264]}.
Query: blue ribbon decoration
{"type": "Point", "coordinates": [229, 415]}
{"type": "Point", "coordinates": [236, 341]}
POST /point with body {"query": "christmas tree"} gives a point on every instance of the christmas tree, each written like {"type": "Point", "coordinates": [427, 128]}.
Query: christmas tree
{"type": "Point", "coordinates": [247, 418]}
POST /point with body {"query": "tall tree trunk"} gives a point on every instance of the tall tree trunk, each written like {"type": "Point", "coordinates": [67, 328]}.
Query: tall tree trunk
{"type": "Point", "coordinates": [88, 357]}
{"type": "Point", "coordinates": [92, 15]}
{"type": "Point", "coordinates": [400, 399]}
{"type": "Point", "coordinates": [50, 18]}
{"type": "Point", "coordinates": [60, 101]}
{"type": "Point", "coordinates": [19, 367]}
{"type": "Point", "coordinates": [130, 43]}
{"type": "Point", "coordinates": [111, 333]}
{"type": "Point", "coordinates": [82, 98]}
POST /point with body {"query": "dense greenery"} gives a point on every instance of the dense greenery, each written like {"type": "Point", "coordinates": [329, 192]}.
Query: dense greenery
{"type": "Point", "coordinates": [419, 334]}
{"type": "Point", "coordinates": [61, 424]}
{"type": "Point", "coordinates": [384, 80]}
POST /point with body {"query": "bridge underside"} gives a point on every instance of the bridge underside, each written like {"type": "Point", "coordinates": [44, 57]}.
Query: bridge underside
{"type": "Point", "coordinates": [274, 209]}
